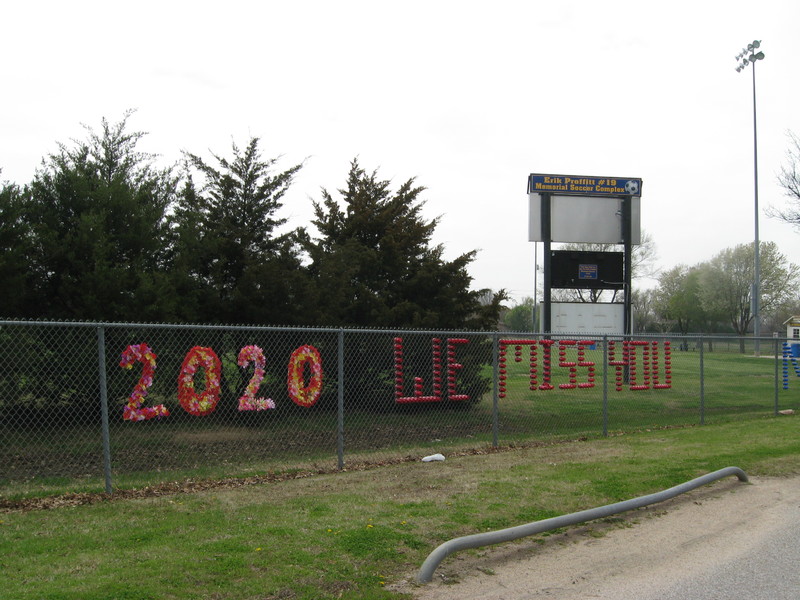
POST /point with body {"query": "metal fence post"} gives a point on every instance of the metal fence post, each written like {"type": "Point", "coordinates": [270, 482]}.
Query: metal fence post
{"type": "Point", "coordinates": [702, 383]}
{"type": "Point", "coordinates": [776, 377]}
{"type": "Point", "coordinates": [605, 386]}
{"type": "Point", "coordinates": [495, 390]}
{"type": "Point", "coordinates": [101, 369]}
{"type": "Point", "coordinates": [340, 402]}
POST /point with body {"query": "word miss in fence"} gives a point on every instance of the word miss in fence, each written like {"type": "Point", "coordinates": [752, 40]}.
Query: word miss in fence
{"type": "Point", "coordinates": [624, 359]}
{"type": "Point", "coordinates": [623, 356]}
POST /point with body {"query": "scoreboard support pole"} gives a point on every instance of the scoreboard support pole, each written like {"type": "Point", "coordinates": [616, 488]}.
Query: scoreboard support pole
{"type": "Point", "coordinates": [626, 239]}
{"type": "Point", "coordinates": [548, 281]}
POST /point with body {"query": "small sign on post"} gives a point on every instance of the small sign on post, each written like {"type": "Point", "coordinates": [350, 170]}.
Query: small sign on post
{"type": "Point", "coordinates": [587, 272]}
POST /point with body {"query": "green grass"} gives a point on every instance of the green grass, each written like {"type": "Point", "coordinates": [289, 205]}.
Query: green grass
{"type": "Point", "coordinates": [353, 534]}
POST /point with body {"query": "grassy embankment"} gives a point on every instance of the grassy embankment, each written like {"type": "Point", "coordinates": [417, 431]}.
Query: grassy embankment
{"type": "Point", "coordinates": [352, 534]}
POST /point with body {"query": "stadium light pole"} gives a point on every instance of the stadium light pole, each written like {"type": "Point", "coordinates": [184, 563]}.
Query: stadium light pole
{"type": "Point", "coordinates": [749, 56]}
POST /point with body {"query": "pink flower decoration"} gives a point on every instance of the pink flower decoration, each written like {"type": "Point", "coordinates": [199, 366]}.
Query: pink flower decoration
{"type": "Point", "coordinates": [206, 401]}
{"type": "Point", "coordinates": [248, 401]}
{"type": "Point", "coordinates": [133, 411]}
{"type": "Point", "coordinates": [301, 394]}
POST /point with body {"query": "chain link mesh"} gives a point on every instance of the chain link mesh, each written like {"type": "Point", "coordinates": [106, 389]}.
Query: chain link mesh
{"type": "Point", "coordinates": [332, 398]}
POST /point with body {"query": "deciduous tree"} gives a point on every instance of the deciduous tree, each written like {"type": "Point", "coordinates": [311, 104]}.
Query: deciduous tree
{"type": "Point", "coordinates": [789, 180]}
{"type": "Point", "coordinates": [520, 317]}
{"type": "Point", "coordinates": [646, 317]}
{"type": "Point", "coordinates": [726, 283]}
{"type": "Point", "coordinates": [678, 298]}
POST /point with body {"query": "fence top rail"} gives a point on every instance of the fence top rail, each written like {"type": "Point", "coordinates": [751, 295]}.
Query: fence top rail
{"type": "Point", "coordinates": [102, 324]}
{"type": "Point", "coordinates": [697, 337]}
{"type": "Point", "coordinates": [206, 326]}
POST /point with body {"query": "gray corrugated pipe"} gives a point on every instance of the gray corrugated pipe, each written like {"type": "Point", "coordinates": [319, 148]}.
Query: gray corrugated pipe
{"type": "Point", "coordinates": [514, 533]}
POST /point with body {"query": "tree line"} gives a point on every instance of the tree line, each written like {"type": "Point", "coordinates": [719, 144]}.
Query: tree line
{"type": "Point", "coordinates": [716, 296]}
{"type": "Point", "coordinates": [103, 234]}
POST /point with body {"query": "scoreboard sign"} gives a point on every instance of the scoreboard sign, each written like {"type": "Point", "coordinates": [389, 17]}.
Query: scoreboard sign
{"type": "Point", "coordinates": [587, 270]}
{"type": "Point", "coordinates": [583, 185]}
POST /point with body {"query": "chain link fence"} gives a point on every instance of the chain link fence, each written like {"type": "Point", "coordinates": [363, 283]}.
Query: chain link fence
{"type": "Point", "coordinates": [90, 406]}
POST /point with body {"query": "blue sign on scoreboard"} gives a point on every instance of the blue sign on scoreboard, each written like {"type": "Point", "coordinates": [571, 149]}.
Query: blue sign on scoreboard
{"type": "Point", "coordinates": [588, 272]}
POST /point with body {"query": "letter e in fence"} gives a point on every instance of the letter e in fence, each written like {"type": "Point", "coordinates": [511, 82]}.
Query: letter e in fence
{"type": "Point", "coordinates": [452, 368]}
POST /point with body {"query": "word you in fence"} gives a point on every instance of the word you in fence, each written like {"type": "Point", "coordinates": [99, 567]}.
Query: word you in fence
{"type": "Point", "coordinates": [204, 402]}
{"type": "Point", "coordinates": [788, 358]}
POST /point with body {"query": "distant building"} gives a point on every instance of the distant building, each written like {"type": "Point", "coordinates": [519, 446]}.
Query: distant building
{"type": "Point", "coordinates": [793, 327]}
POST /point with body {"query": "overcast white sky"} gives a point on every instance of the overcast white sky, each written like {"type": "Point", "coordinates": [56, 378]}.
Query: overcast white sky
{"type": "Point", "coordinates": [468, 97]}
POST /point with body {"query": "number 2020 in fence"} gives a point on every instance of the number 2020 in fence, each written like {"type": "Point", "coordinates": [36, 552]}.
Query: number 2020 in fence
{"type": "Point", "coordinates": [204, 402]}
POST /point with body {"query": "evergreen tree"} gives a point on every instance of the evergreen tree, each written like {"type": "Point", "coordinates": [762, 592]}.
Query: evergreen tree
{"type": "Point", "coordinates": [15, 294]}
{"type": "Point", "coordinates": [234, 266]}
{"type": "Point", "coordinates": [375, 266]}
{"type": "Point", "coordinates": [98, 218]}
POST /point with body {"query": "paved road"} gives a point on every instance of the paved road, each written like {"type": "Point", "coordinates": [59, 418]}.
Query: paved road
{"type": "Point", "coordinates": [726, 541]}
{"type": "Point", "coordinates": [768, 569]}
